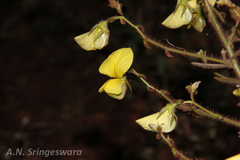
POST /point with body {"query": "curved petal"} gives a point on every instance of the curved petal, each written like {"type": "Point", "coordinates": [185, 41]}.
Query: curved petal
{"type": "Point", "coordinates": [101, 42]}
{"type": "Point", "coordinates": [199, 24]}
{"type": "Point", "coordinates": [101, 89]}
{"type": "Point", "coordinates": [123, 62]}
{"type": "Point", "coordinates": [117, 63]}
{"type": "Point", "coordinates": [177, 19]}
{"type": "Point", "coordinates": [148, 121]}
{"type": "Point", "coordinates": [193, 4]}
{"type": "Point", "coordinates": [85, 41]}
{"type": "Point", "coordinates": [121, 95]}
{"type": "Point", "coordinates": [236, 92]}
{"type": "Point", "coordinates": [164, 121]}
{"type": "Point", "coordinates": [114, 86]}
{"type": "Point", "coordinates": [172, 125]}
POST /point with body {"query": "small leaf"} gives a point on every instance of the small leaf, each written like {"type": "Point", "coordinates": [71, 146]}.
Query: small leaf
{"type": "Point", "coordinates": [122, 21]}
{"type": "Point", "coordinates": [224, 79]}
{"type": "Point", "coordinates": [209, 65]}
{"type": "Point", "coordinates": [142, 29]}
{"type": "Point", "coordinates": [145, 42]}
{"type": "Point", "coordinates": [168, 54]}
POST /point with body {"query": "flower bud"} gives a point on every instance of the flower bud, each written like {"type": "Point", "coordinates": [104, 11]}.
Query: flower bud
{"type": "Point", "coordinates": [97, 38]}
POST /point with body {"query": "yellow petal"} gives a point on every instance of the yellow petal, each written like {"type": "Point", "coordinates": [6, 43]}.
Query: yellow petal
{"type": "Point", "coordinates": [117, 63]}
{"type": "Point", "coordinates": [176, 19]}
{"type": "Point", "coordinates": [172, 126]}
{"type": "Point", "coordinates": [212, 2]}
{"type": "Point", "coordinates": [149, 120]}
{"type": "Point", "coordinates": [193, 4]}
{"type": "Point", "coordinates": [101, 42]}
{"type": "Point", "coordinates": [115, 88]}
{"type": "Point", "coordinates": [167, 121]}
{"type": "Point", "coordinates": [121, 95]}
{"type": "Point", "coordinates": [101, 89]}
{"type": "Point", "coordinates": [236, 157]}
{"type": "Point", "coordinates": [236, 92]}
{"type": "Point", "coordinates": [199, 24]}
{"type": "Point", "coordinates": [85, 41]}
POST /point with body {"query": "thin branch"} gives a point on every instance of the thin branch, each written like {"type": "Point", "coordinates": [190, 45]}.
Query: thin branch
{"type": "Point", "coordinates": [170, 49]}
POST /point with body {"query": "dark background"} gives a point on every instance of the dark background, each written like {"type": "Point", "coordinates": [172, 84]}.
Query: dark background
{"type": "Point", "coordinates": [49, 86]}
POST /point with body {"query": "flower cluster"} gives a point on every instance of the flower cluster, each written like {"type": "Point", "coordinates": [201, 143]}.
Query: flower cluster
{"type": "Point", "coordinates": [187, 12]}
{"type": "Point", "coordinates": [115, 66]}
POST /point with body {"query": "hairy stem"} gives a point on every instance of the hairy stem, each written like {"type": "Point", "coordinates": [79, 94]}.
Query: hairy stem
{"type": "Point", "coordinates": [150, 86]}
{"type": "Point", "coordinates": [204, 109]}
{"type": "Point", "coordinates": [198, 109]}
{"type": "Point", "coordinates": [170, 49]}
{"type": "Point", "coordinates": [222, 37]}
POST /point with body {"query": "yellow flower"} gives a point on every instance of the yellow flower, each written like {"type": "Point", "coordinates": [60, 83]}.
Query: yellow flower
{"type": "Point", "coordinates": [236, 157]}
{"type": "Point", "coordinates": [115, 66]}
{"type": "Point", "coordinates": [181, 16]}
{"type": "Point", "coordinates": [236, 92]}
{"type": "Point", "coordinates": [187, 12]}
{"type": "Point", "coordinates": [166, 119]}
{"type": "Point", "coordinates": [97, 38]}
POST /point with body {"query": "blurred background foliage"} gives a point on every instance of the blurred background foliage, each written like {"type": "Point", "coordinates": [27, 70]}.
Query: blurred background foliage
{"type": "Point", "coordinates": [49, 86]}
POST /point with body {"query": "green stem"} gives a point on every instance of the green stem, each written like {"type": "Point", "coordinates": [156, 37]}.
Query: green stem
{"type": "Point", "coordinates": [222, 37]}
{"type": "Point", "coordinates": [204, 109]}
{"type": "Point", "coordinates": [111, 19]}
{"type": "Point", "coordinates": [140, 76]}
{"type": "Point", "coordinates": [233, 33]}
